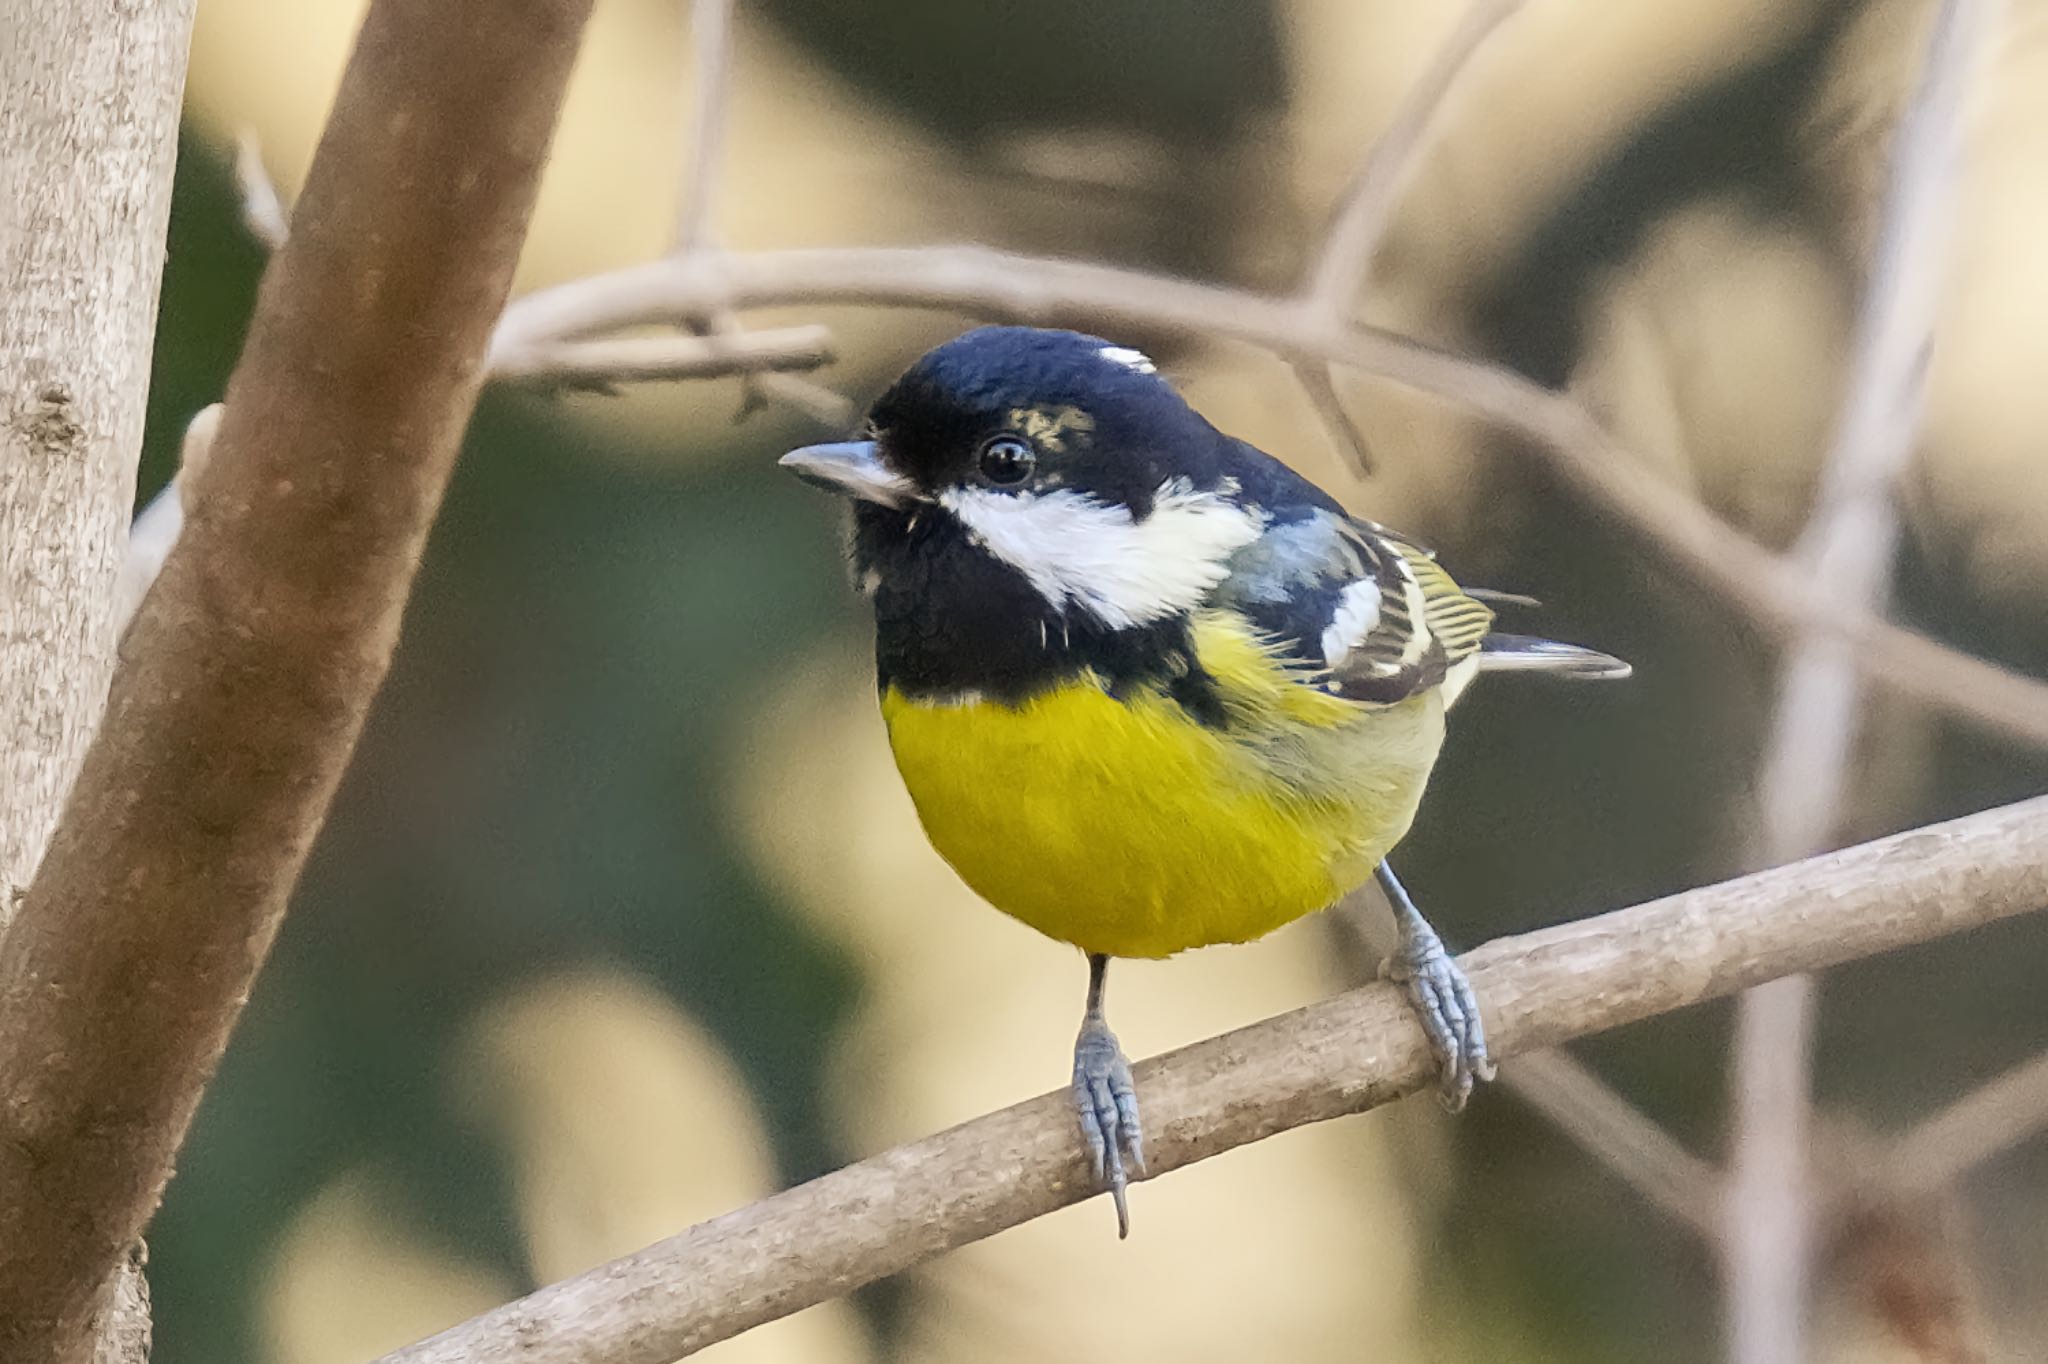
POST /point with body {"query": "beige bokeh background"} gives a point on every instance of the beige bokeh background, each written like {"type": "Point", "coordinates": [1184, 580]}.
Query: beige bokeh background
{"type": "Point", "coordinates": [1713, 347]}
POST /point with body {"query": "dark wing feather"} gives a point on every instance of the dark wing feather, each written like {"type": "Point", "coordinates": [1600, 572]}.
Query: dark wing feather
{"type": "Point", "coordinates": [1369, 614]}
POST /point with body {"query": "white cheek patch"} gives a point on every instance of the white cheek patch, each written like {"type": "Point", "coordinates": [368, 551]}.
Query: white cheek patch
{"type": "Point", "coordinates": [1125, 572]}
{"type": "Point", "coordinates": [1358, 611]}
{"type": "Point", "coordinates": [1129, 359]}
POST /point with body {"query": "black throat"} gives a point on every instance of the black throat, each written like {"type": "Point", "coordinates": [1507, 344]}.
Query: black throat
{"type": "Point", "coordinates": [952, 618]}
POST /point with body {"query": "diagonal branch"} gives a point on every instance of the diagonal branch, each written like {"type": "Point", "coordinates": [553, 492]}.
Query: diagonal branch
{"type": "Point", "coordinates": [1982, 1125]}
{"type": "Point", "coordinates": [1344, 1055]}
{"type": "Point", "coordinates": [1367, 205]}
{"type": "Point", "coordinates": [249, 669]}
{"type": "Point", "coordinates": [1779, 596]}
{"type": "Point", "coordinates": [1634, 1148]}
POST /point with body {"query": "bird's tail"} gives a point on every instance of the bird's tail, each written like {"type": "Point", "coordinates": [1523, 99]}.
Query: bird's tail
{"type": "Point", "coordinates": [1503, 653]}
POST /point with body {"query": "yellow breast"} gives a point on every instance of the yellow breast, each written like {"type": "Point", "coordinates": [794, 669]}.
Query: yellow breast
{"type": "Point", "coordinates": [1122, 826]}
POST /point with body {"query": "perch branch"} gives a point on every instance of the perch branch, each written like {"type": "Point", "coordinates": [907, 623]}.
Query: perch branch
{"type": "Point", "coordinates": [1847, 548]}
{"type": "Point", "coordinates": [249, 668]}
{"type": "Point", "coordinates": [1343, 1055]}
{"type": "Point", "coordinates": [1778, 595]}
{"type": "Point", "coordinates": [1576, 1101]}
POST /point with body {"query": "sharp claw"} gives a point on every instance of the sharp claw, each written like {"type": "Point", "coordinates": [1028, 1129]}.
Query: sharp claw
{"type": "Point", "coordinates": [1107, 1105]}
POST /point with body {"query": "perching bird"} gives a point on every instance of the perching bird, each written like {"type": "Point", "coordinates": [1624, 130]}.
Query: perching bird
{"type": "Point", "coordinates": [1149, 688]}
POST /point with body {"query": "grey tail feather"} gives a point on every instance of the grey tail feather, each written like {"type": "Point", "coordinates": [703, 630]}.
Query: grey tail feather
{"type": "Point", "coordinates": [1493, 596]}
{"type": "Point", "coordinates": [1526, 653]}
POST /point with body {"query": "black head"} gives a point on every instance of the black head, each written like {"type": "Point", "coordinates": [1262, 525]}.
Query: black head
{"type": "Point", "coordinates": [1029, 502]}
{"type": "Point", "coordinates": [1020, 409]}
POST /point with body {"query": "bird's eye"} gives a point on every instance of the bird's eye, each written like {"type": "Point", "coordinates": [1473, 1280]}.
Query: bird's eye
{"type": "Point", "coordinates": [1007, 460]}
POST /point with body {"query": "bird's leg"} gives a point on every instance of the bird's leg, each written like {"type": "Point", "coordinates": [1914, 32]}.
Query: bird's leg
{"type": "Point", "coordinates": [1440, 993]}
{"type": "Point", "coordinates": [1106, 1099]}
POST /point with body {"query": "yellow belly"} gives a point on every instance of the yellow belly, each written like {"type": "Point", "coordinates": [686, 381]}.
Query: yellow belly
{"type": "Point", "coordinates": [1123, 827]}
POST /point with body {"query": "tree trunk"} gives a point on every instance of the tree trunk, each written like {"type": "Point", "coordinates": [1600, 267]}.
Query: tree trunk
{"type": "Point", "coordinates": [89, 96]}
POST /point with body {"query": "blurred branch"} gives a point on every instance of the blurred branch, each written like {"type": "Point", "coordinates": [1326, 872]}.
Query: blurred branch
{"type": "Point", "coordinates": [711, 33]}
{"type": "Point", "coordinates": [1319, 386]}
{"type": "Point", "coordinates": [1848, 549]}
{"type": "Point", "coordinates": [1985, 1123]}
{"type": "Point", "coordinates": [246, 675]}
{"type": "Point", "coordinates": [1621, 1137]}
{"type": "Point", "coordinates": [1777, 594]}
{"type": "Point", "coordinates": [1343, 1055]}
{"type": "Point", "coordinates": [630, 359]}
{"type": "Point", "coordinates": [1368, 202]}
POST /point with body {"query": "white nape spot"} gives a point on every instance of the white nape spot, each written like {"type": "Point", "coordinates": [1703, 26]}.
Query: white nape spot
{"type": "Point", "coordinates": [870, 582]}
{"type": "Point", "coordinates": [1074, 548]}
{"type": "Point", "coordinates": [1358, 611]}
{"type": "Point", "coordinates": [1129, 359]}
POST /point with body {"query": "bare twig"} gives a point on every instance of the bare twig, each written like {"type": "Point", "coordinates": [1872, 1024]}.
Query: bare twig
{"type": "Point", "coordinates": [1319, 386]}
{"type": "Point", "coordinates": [1368, 203]}
{"type": "Point", "coordinates": [1848, 546]}
{"type": "Point", "coordinates": [1777, 595]}
{"type": "Point", "coordinates": [1620, 1136]}
{"type": "Point", "coordinates": [1982, 1125]}
{"type": "Point", "coordinates": [1344, 1055]}
{"type": "Point", "coordinates": [711, 37]}
{"type": "Point", "coordinates": [249, 669]}
{"type": "Point", "coordinates": [636, 359]}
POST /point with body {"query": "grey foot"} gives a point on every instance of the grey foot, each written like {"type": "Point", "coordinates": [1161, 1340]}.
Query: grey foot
{"type": "Point", "coordinates": [1450, 1014]}
{"type": "Point", "coordinates": [1107, 1103]}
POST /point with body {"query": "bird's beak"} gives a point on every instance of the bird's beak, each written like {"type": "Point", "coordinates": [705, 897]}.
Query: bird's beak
{"type": "Point", "coordinates": [851, 468]}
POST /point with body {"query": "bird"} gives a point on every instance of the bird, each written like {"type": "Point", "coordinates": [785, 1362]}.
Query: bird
{"type": "Point", "coordinates": [1149, 688]}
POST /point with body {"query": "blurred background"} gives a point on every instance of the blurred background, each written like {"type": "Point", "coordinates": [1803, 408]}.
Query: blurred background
{"type": "Point", "coordinates": [622, 919]}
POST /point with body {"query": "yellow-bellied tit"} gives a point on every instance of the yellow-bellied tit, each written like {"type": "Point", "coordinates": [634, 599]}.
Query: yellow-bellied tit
{"type": "Point", "coordinates": [1149, 688]}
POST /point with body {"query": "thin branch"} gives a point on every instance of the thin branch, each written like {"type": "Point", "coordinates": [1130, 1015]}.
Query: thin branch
{"type": "Point", "coordinates": [1344, 1055]}
{"type": "Point", "coordinates": [711, 39]}
{"type": "Point", "coordinates": [711, 35]}
{"type": "Point", "coordinates": [1319, 385]}
{"type": "Point", "coordinates": [1368, 202]}
{"type": "Point", "coordinates": [1770, 1217]}
{"type": "Point", "coordinates": [1776, 594]}
{"type": "Point", "coordinates": [1620, 1136]}
{"type": "Point", "coordinates": [639, 359]}
{"type": "Point", "coordinates": [594, 364]}
{"type": "Point", "coordinates": [247, 673]}
{"type": "Point", "coordinates": [1848, 547]}
{"type": "Point", "coordinates": [1987, 1122]}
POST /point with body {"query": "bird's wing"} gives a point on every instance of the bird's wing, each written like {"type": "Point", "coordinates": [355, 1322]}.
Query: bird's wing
{"type": "Point", "coordinates": [1369, 615]}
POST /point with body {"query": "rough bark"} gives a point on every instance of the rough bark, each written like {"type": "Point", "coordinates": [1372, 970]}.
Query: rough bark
{"type": "Point", "coordinates": [249, 668]}
{"type": "Point", "coordinates": [89, 97]}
